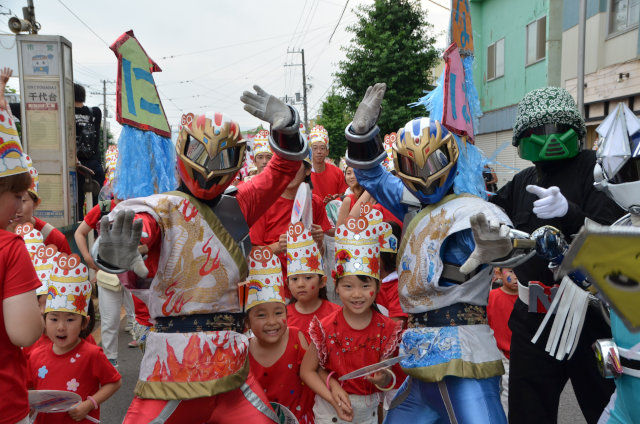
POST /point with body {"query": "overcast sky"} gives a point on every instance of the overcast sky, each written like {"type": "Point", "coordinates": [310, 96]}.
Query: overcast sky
{"type": "Point", "coordinates": [209, 51]}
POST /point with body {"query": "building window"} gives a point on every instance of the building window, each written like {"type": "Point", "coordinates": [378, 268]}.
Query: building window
{"type": "Point", "coordinates": [623, 14]}
{"type": "Point", "coordinates": [537, 40]}
{"type": "Point", "coordinates": [495, 60]}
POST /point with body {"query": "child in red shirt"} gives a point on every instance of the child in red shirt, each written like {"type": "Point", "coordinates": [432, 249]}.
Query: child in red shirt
{"type": "Point", "coordinates": [71, 363]}
{"type": "Point", "coordinates": [275, 350]}
{"type": "Point", "coordinates": [499, 308]}
{"type": "Point", "coordinates": [356, 335]}
{"type": "Point", "coordinates": [306, 280]}
{"type": "Point", "coordinates": [20, 320]}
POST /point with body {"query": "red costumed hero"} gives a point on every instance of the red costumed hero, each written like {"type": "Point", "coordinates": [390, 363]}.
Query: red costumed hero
{"type": "Point", "coordinates": [196, 367]}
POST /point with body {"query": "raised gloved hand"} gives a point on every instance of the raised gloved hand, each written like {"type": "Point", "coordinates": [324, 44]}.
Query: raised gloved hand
{"type": "Point", "coordinates": [552, 204]}
{"type": "Point", "coordinates": [492, 242]}
{"type": "Point", "coordinates": [119, 242]}
{"type": "Point", "coordinates": [368, 110]}
{"type": "Point", "coordinates": [268, 108]}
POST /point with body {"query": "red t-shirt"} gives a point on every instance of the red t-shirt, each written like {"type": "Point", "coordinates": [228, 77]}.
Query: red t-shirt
{"type": "Point", "coordinates": [343, 349]}
{"type": "Point", "coordinates": [276, 220]}
{"type": "Point", "coordinates": [302, 321]}
{"type": "Point", "coordinates": [93, 216]}
{"type": "Point", "coordinates": [281, 381]}
{"type": "Point", "coordinates": [389, 299]}
{"type": "Point", "coordinates": [83, 370]}
{"type": "Point", "coordinates": [499, 310]}
{"type": "Point", "coordinates": [45, 340]}
{"type": "Point", "coordinates": [328, 182]}
{"type": "Point", "coordinates": [17, 276]}
{"type": "Point", "coordinates": [55, 237]}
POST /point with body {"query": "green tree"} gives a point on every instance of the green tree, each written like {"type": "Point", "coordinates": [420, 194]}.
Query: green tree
{"type": "Point", "coordinates": [392, 43]}
{"type": "Point", "coordinates": [334, 117]}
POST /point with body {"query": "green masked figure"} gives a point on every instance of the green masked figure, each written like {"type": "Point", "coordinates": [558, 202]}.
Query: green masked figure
{"type": "Point", "coordinates": [548, 126]}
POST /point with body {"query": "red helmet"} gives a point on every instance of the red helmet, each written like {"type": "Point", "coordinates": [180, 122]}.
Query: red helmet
{"type": "Point", "coordinates": [210, 152]}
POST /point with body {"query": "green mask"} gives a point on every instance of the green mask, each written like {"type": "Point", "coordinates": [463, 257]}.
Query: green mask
{"type": "Point", "coordinates": [549, 147]}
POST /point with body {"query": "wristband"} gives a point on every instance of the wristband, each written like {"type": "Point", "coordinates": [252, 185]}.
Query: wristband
{"type": "Point", "coordinates": [393, 381]}
{"type": "Point", "coordinates": [329, 378]}
{"type": "Point", "coordinates": [95, 404]}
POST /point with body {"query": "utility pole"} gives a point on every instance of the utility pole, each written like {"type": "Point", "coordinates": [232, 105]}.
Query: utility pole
{"type": "Point", "coordinates": [104, 115]}
{"type": "Point", "coordinates": [105, 112]}
{"type": "Point", "coordinates": [582, 29]}
{"type": "Point", "coordinates": [304, 86]}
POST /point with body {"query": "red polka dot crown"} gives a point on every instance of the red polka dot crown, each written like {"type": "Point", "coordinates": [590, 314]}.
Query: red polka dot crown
{"type": "Point", "coordinates": [319, 134]}
{"type": "Point", "coordinates": [34, 177]}
{"type": "Point", "coordinates": [261, 143]}
{"type": "Point", "coordinates": [359, 242]}
{"type": "Point", "coordinates": [32, 238]}
{"type": "Point", "coordinates": [303, 255]}
{"type": "Point", "coordinates": [43, 262]}
{"type": "Point", "coordinates": [265, 279]}
{"type": "Point", "coordinates": [13, 161]}
{"type": "Point", "coordinates": [69, 287]}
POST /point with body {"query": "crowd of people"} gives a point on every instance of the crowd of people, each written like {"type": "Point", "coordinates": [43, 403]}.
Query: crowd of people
{"type": "Point", "coordinates": [250, 300]}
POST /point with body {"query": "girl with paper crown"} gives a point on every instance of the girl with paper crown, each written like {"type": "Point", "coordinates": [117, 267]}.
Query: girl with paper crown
{"type": "Point", "coordinates": [276, 350]}
{"type": "Point", "coordinates": [43, 258]}
{"type": "Point", "coordinates": [20, 320]}
{"type": "Point", "coordinates": [355, 335]}
{"type": "Point", "coordinates": [306, 279]}
{"type": "Point", "coordinates": [71, 363]}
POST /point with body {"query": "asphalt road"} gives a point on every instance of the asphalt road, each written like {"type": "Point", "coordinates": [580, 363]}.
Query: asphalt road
{"type": "Point", "coordinates": [114, 409]}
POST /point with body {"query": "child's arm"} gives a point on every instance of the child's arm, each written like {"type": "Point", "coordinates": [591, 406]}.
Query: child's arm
{"type": "Point", "coordinates": [80, 237]}
{"type": "Point", "coordinates": [309, 374]}
{"type": "Point", "coordinates": [83, 408]}
{"type": "Point", "coordinates": [340, 396]}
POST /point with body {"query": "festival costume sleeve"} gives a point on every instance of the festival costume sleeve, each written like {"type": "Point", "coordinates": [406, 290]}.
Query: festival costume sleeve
{"type": "Point", "coordinates": [319, 339]}
{"type": "Point", "coordinates": [385, 187]}
{"type": "Point", "coordinates": [258, 194]}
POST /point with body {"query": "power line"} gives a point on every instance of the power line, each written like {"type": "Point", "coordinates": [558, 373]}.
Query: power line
{"type": "Point", "coordinates": [308, 22]}
{"type": "Point", "coordinates": [295, 30]}
{"type": "Point", "coordinates": [83, 23]}
{"type": "Point", "coordinates": [438, 4]}
{"type": "Point", "coordinates": [342, 14]}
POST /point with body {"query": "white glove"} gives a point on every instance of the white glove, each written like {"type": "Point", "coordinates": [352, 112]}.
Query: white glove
{"type": "Point", "coordinates": [119, 243]}
{"type": "Point", "coordinates": [369, 109]}
{"type": "Point", "coordinates": [552, 204]}
{"type": "Point", "coordinates": [492, 242]}
{"type": "Point", "coordinates": [266, 107]}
